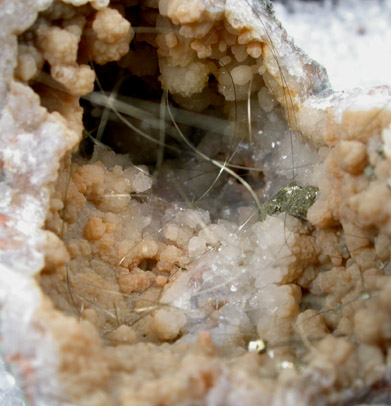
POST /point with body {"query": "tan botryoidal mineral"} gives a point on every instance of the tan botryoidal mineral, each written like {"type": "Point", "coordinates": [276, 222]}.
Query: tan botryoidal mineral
{"type": "Point", "coordinates": [222, 235]}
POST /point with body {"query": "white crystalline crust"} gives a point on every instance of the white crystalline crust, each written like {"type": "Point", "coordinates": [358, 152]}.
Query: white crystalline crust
{"type": "Point", "coordinates": [363, 38]}
{"type": "Point", "coordinates": [318, 116]}
{"type": "Point", "coordinates": [32, 143]}
{"type": "Point", "coordinates": [15, 17]}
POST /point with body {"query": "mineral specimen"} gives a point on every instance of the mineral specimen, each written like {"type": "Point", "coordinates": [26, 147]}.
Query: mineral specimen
{"type": "Point", "coordinates": [189, 214]}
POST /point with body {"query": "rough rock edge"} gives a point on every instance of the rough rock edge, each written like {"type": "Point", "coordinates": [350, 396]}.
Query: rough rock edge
{"type": "Point", "coordinates": [27, 339]}
{"type": "Point", "coordinates": [32, 144]}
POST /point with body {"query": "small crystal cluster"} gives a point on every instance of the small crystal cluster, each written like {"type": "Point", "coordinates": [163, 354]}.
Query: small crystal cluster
{"type": "Point", "coordinates": [252, 266]}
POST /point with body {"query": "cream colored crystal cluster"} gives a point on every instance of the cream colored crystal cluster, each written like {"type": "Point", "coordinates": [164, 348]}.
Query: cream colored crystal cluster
{"type": "Point", "coordinates": [115, 292]}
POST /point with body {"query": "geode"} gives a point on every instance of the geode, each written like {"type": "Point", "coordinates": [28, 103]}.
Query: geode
{"type": "Point", "coordinates": [190, 215]}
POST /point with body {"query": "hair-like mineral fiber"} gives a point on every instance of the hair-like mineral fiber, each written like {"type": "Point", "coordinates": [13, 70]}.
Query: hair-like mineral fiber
{"type": "Point", "coordinates": [121, 109]}
{"type": "Point", "coordinates": [170, 121]}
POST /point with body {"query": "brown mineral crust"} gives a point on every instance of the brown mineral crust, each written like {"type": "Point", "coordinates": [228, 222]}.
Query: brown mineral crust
{"type": "Point", "coordinates": [30, 62]}
{"type": "Point", "coordinates": [372, 324]}
{"type": "Point", "coordinates": [135, 281]}
{"type": "Point", "coordinates": [338, 358]}
{"type": "Point", "coordinates": [103, 263]}
{"type": "Point", "coordinates": [110, 26]}
{"type": "Point", "coordinates": [123, 335]}
{"type": "Point", "coordinates": [103, 260]}
{"type": "Point", "coordinates": [355, 199]}
{"type": "Point", "coordinates": [94, 229]}
{"type": "Point", "coordinates": [85, 366]}
{"type": "Point", "coordinates": [170, 258]}
{"type": "Point", "coordinates": [145, 374]}
{"type": "Point", "coordinates": [355, 181]}
{"type": "Point", "coordinates": [358, 125]}
{"type": "Point", "coordinates": [205, 342]}
{"type": "Point", "coordinates": [109, 36]}
{"type": "Point", "coordinates": [77, 80]}
{"type": "Point", "coordinates": [372, 361]}
{"type": "Point", "coordinates": [167, 323]}
{"type": "Point", "coordinates": [352, 156]}
{"type": "Point", "coordinates": [56, 254]}
{"type": "Point", "coordinates": [58, 46]}
{"type": "Point", "coordinates": [105, 39]}
{"type": "Point", "coordinates": [344, 168]}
